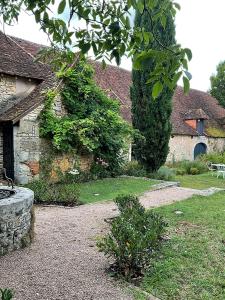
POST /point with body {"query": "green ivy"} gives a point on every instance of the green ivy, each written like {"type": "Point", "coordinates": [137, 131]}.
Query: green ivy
{"type": "Point", "coordinates": [93, 124]}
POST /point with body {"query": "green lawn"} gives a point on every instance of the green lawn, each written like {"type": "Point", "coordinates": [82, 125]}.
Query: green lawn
{"type": "Point", "coordinates": [202, 181]}
{"type": "Point", "coordinates": [108, 189]}
{"type": "Point", "coordinates": [192, 263]}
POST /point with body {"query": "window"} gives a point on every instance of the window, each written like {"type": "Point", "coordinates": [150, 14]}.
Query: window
{"type": "Point", "coordinates": [200, 126]}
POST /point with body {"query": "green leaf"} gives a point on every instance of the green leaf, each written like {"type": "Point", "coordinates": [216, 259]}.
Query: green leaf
{"type": "Point", "coordinates": [103, 64]}
{"type": "Point", "coordinates": [37, 16]}
{"type": "Point", "coordinates": [177, 5]}
{"type": "Point", "coordinates": [188, 74]}
{"type": "Point", "coordinates": [176, 77]}
{"type": "Point", "coordinates": [163, 21]}
{"type": "Point", "coordinates": [140, 6]}
{"type": "Point", "coordinates": [184, 63]}
{"type": "Point", "coordinates": [85, 48]}
{"type": "Point", "coordinates": [61, 7]}
{"type": "Point", "coordinates": [188, 53]}
{"type": "Point", "coordinates": [96, 26]}
{"type": "Point", "coordinates": [186, 85]}
{"type": "Point", "coordinates": [157, 89]}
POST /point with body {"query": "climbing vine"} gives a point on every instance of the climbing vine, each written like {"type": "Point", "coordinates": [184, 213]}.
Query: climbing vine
{"type": "Point", "coordinates": [93, 123]}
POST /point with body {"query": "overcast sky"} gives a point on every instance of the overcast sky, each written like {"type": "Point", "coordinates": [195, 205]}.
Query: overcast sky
{"type": "Point", "coordinates": [200, 26]}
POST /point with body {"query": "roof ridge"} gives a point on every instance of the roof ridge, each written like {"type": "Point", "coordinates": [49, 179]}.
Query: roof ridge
{"type": "Point", "coordinates": [11, 38]}
{"type": "Point", "coordinates": [31, 55]}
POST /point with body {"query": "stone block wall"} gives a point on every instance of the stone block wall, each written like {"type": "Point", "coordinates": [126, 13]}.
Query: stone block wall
{"type": "Point", "coordinates": [182, 146]}
{"type": "Point", "coordinates": [27, 147]}
{"type": "Point", "coordinates": [30, 149]}
{"type": "Point", "coordinates": [7, 88]}
{"type": "Point", "coordinates": [1, 150]}
{"type": "Point", "coordinates": [15, 220]}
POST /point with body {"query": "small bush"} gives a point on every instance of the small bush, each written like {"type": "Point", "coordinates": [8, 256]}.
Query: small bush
{"type": "Point", "coordinates": [133, 168]}
{"type": "Point", "coordinates": [184, 167]}
{"type": "Point", "coordinates": [214, 157]}
{"type": "Point", "coordinates": [82, 176]}
{"type": "Point", "coordinates": [135, 236]}
{"type": "Point", "coordinates": [194, 171]}
{"type": "Point", "coordinates": [164, 173]}
{"type": "Point", "coordinates": [6, 294]}
{"type": "Point", "coordinates": [100, 170]}
{"type": "Point", "coordinates": [55, 193]}
{"type": "Point", "coordinates": [180, 171]}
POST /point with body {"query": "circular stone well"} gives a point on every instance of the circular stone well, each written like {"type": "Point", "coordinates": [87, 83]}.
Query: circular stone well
{"type": "Point", "coordinates": [15, 219]}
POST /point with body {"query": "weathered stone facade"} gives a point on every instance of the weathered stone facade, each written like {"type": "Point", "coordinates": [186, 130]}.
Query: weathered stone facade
{"type": "Point", "coordinates": [182, 146]}
{"type": "Point", "coordinates": [27, 147]}
{"type": "Point", "coordinates": [15, 220]}
{"type": "Point", "coordinates": [1, 149]}
{"type": "Point", "coordinates": [30, 149]}
{"type": "Point", "coordinates": [7, 88]}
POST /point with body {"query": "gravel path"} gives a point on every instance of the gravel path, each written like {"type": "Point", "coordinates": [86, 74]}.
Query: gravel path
{"type": "Point", "coordinates": [63, 262]}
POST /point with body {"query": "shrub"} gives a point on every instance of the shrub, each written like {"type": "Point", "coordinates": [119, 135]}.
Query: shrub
{"type": "Point", "coordinates": [184, 167]}
{"type": "Point", "coordinates": [194, 171]}
{"type": "Point", "coordinates": [100, 170]}
{"type": "Point", "coordinates": [135, 236]}
{"type": "Point", "coordinates": [214, 157]}
{"type": "Point", "coordinates": [196, 164]}
{"type": "Point", "coordinates": [6, 294]}
{"type": "Point", "coordinates": [133, 168]}
{"type": "Point", "coordinates": [164, 173]}
{"type": "Point", "coordinates": [83, 176]}
{"type": "Point", "coordinates": [55, 193]}
{"type": "Point", "coordinates": [180, 171]}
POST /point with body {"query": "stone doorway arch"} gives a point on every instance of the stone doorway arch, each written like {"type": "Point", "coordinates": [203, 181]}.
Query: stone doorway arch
{"type": "Point", "coordinates": [199, 149]}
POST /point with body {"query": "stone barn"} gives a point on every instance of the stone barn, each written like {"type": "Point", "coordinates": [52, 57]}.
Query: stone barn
{"type": "Point", "coordinates": [198, 121]}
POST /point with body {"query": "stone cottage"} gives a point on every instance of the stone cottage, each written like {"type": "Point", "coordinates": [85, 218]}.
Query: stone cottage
{"type": "Point", "coordinates": [197, 119]}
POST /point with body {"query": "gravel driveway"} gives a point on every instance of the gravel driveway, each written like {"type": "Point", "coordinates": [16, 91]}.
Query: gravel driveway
{"type": "Point", "coordinates": [63, 262]}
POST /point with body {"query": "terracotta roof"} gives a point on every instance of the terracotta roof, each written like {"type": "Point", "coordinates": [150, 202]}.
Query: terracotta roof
{"type": "Point", "coordinates": [116, 82]}
{"type": "Point", "coordinates": [15, 60]}
{"type": "Point", "coordinates": [195, 114]}
{"type": "Point", "coordinates": [194, 101]}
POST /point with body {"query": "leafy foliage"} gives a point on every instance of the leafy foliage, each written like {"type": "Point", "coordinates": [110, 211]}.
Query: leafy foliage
{"type": "Point", "coordinates": [218, 84]}
{"type": "Point", "coordinates": [6, 294]}
{"type": "Point", "coordinates": [133, 168]}
{"type": "Point", "coordinates": [190, 167]}
{"type": "Point", "coordinates": [152, 117]}
{"type": "Point", "coordinates": [213, 157]}
{"type": "Point", "coordinates": [109, 32]}
{"type": "Point", "coordinates": [134, 238]}
{"type": "Point", "coordinates": [55, 193]}
{"type": "Point", "coordinates": [93, 123]}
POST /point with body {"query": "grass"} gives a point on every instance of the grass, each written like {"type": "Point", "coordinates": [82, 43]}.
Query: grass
{"type": "Point", "coordinates": [108, 189]}
{"type": "Point", "coordinates": [191, 265]}
{"type": "Point", "coordinates": [202, 181]}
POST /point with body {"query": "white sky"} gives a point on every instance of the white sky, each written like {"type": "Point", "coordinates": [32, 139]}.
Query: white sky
{"type": "Point", "coordinates": [200, 26]}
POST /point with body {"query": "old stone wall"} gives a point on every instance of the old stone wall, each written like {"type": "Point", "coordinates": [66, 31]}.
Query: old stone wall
{"type": "Point", "coordinates": [1, 150]}
{"type": "Point", "coordinates": [30, 150]}
{"type": "Point", "coordinates": [11, 87]}
{"type": "Point", "coordinates": [15, 220]}
{"type": "Point", "coordinates": [182, 146]}
{"type": "Point", "coordinates": [7, 88]}
{"type": "Point", "coordinates": [27, 147]}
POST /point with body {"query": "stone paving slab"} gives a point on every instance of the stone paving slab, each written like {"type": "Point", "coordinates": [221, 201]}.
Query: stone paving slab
{"type": "Point", "coordinates": [63, 263]}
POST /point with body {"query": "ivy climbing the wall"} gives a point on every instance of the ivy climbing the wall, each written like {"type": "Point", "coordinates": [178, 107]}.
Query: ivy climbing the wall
{"type": "Point", "coordinates": [93, 124]}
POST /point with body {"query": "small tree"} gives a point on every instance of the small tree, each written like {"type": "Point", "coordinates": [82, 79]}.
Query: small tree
{"type": "Point", "coordinates": [152, 116]}
{"type": "Point", "coordinates": [135, 235]}
{"type": "Point", "coordinates": [218, 84]}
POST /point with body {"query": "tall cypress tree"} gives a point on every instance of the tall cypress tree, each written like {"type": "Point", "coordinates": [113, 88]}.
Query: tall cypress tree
{"type": "Point", "coordinates": [152, 116]}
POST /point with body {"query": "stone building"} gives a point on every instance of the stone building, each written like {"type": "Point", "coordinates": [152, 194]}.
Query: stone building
{"type": "Point", "coordinates": [198, 120]}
